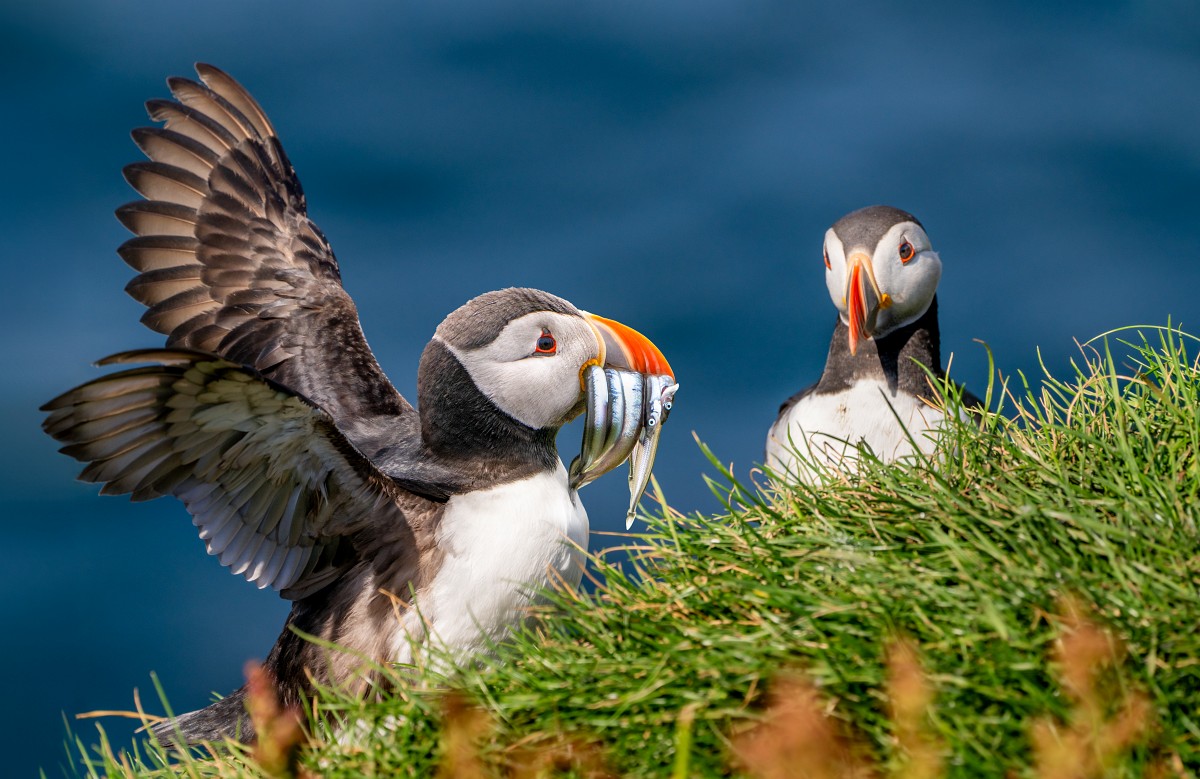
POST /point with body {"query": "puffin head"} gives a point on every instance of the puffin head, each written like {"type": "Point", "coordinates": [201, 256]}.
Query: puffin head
{"type": "Point", "coordinates": [881, 271]}
{"type": "Point", "coordinates": [526, 351]}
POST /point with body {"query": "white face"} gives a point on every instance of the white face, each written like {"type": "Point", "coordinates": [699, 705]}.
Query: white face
{"type": "Point", "coordinates": [531, 371]}
{"type": "Point", "coordinates": [909, 283]}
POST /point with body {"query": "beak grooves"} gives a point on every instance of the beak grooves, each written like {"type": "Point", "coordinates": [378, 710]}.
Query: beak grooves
{"type": "Point", "coordinates": [627, 349]}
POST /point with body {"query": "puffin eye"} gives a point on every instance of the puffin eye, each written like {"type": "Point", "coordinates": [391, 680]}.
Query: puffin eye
{"type": "Point", "coordinates": [546, 344]}
{"type": "Point", "coordinates": [827, 265]}
{"type": "Point", "coordinates": [906, 251]}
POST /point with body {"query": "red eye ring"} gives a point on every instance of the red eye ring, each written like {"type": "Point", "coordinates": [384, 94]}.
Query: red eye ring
{"type": "Point", "coordinates": [545, 344]}
{"type": "Point", "coordinates": [907, 252]}
{"type": "Point", "coordinates": [827, 265]}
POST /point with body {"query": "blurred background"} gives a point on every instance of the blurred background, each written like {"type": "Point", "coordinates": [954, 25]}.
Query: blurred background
{"type": "Point", "coordinates": [673, 165]}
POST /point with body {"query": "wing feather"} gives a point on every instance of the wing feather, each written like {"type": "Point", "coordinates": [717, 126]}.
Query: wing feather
{"type": "Point", "coordinates": [162, 181]}
{"type": "Point", "coordinates": [156, 252]}
{"type": "Point", "coordinates": [208, 103]}
{"type": "Point", "coordinates": [230, 263]}
{"type": "Point", "coordinates": [192, 124]}
{"type": "Point", "coordinates": [292, 564]}
{"type": "Point", "coordinates": [155, 286]}
{"type": "Point", "coordinates": [221, 83]}
{"type": "Point", "coordinates": [158, 218]}
{"type": "Point", "coordinates": [275, 490]}
{"type": "Point", "coordinates": [270, 568]}
{"type": "Point", "coordinates": [177, 309]}
{"type": "Point", "coordinates": [172, 148]}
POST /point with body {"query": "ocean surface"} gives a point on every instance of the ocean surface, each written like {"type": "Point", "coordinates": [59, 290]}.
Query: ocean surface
{"type": "Point", "coordinates": [673, 165]}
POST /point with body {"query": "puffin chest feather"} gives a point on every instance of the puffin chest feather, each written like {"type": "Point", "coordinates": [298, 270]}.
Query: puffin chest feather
{"type": "Point", "coordinates": [862, 413]}
{"type": "Point", "coordinates": [501, 546]}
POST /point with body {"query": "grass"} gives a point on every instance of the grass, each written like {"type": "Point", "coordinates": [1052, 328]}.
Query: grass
{"type": "Point", "coordinates": [1025, 604]}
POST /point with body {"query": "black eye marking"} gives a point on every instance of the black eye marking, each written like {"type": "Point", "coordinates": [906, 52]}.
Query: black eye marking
{"type": "Point", "coordinates": [827, 265]}
{"type": "Point", "coordinates": [546, 345]}
{"type": "Point", "coordinates": [906, 251]}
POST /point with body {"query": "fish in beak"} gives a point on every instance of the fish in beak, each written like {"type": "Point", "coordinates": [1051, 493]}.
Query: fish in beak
{"type": "Point", "coordinates": [864, 299]}
{"type": "Point", "coordinates": [629, 395]}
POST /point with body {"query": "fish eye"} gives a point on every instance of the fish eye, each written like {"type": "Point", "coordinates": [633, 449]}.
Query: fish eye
{"type": "Point", "coordinates": [906, 251]}
{"type": "Point", "coordinates": [546, 344]}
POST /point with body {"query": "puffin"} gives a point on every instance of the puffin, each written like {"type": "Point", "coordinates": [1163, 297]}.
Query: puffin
{"type": "Point", "coordinates": [882, 274]}
{"type": "Point", "coordinates": [390, 528]}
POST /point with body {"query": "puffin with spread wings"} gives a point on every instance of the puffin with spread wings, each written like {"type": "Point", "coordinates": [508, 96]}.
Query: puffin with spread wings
{"type": "Point", "coordinates": [388, 527]}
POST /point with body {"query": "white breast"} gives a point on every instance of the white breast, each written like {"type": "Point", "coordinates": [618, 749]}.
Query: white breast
{"type": "Point", "coordinates": [824, 430]}
{"type": "Point", "coordinates": [501, 546]}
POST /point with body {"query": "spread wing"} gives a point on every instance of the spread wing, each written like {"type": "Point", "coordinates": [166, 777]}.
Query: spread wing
{"type": "Point", "coordinates": [230, 264]}
{"type": "Point", "coordinates": [278, 494]}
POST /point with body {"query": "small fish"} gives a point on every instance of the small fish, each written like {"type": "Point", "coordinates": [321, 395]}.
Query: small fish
{"type": "Point", "coordinates": [624, 419]}
{"type": "Point", "coordinates": [596, 389]}
{"type": "Point", "coordinates": [614, 413]}
{"type": "Point", "coordinates": [660, 390]}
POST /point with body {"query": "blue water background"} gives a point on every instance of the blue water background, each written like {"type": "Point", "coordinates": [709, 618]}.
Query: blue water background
{"type": "Point", "coordinates": [673, 165]}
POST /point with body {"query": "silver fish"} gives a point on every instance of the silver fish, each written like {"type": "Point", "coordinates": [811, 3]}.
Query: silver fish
{"type": "Point", "coordinates": [624, 421]}
{"type": "Point", "coordinates": [625, 414]}
{"type": "Point", "coordinates": [595, 423]}
{"type": "Point", "coordinates": [660, 397]}
{"type": "Point", "coordinates": [608, 407]}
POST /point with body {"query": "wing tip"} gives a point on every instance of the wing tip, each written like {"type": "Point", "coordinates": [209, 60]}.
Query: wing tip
{"type": "Point", "coordinates": [207, 70]}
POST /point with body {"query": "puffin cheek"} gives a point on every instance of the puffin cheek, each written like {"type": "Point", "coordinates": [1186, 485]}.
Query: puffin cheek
{"type": "Point", "coordinates": [550, 401]}
{"type": "Point", "coordinates": [579, 407]}
{"type": "Point", "coordinates": [835, 281]}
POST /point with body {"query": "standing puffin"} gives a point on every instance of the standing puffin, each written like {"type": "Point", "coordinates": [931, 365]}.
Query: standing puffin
{"type": "Point", "coordinates": [882, 274]}
{"type": "Point", "coordinates": [302, 467]}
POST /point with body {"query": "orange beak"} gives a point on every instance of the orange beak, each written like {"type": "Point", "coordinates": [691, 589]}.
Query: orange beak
{"type": "Point", "coordinates": [863, 298]}
{"type": "Point", "coordinates": [627, 349]}
{"type": "Point", "coordinates": [856, 306]}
